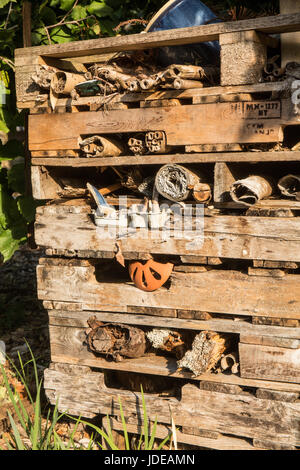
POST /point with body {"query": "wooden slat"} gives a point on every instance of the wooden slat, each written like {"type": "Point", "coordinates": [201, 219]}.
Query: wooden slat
{"type": "Point", "coordinates": [269, 362]}
{"type": "Point", "coordinates": [197, 94]}
{"type": "Point", "coordinates": [216, 291]}
{"type": "Point", "coordinates": [239, 415]}
{"type": "Point", "coordinates": [129, 160]}
{"type": "Point", "coordinates": [210, 32]}
{"type": "Point", "coordinates": [222, 443]}
{"type": "Point", "coordinates": [183, 125]}
{"type": "Point", "coordinates": [263, 238]}
{"type": "Point", "coordinates": [72, 316]}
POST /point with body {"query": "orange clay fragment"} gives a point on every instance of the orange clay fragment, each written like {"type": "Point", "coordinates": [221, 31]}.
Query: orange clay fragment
{"type": "Point", "coordinates": [151, 275]}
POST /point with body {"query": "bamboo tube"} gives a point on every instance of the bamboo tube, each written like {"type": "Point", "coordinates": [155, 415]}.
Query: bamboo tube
{"type": "Point", "coordinates": [156, 142]}
{"type": "Point", "coordinates": [194, 72]}
{"type": "Point", "coordinates": [230, 361]}
{"type": "Point", "coordinates": [65, 82]}
{"type": "Point", "coordinates": [290, 186]}
{"type": "Point", "coordinates": [147, 83]}
{"type": "Point", "coordinates": [180, 84]}
{"type": "Point", "coordinates": [175, 182]}
{"type": "Point", "coordinates": [98, 146]}
{"type": "Point", "coordinates": [137, 144]}
{"type": "Point", "coordinates": [251, 190]}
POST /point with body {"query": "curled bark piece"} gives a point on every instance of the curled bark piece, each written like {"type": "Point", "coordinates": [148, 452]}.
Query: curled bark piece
{"type": "Point", "coordinates": [290, 186]}
{"type": "Point", "coordinates": [64, 82]}
{"type": "Point", "coordinates": [230, 362]}
{"type": "Point", "coordinates": [175, 182]}
{"type": "Point", "coordinates": [156, 142]}
{"type": "Point", "coordinates": [180, 84]}
{"type": "Point", "coordinates": [98, 146]}
{"type": "Point", "coordinates": [251, 190]}
{"type": "Point", "coordinates": [207, 350]}
{"type": "Point", "coordinates": [202, 192]}
{"type": "Point", "coordinates": [166, 340]}
{"type": "Point", "coordinates": [115, 339]}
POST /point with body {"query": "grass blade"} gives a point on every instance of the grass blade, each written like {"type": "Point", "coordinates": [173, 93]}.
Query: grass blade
{"type": "Point", "coordinates": [16, 433]}
{"type": "Point", "coordinates": [124, 425]}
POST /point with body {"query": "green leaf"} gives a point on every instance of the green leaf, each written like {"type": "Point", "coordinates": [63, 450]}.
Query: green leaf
{"type": "Point", "coordinates": [66, 4]}
{"type": "Point", "coordinates": [48, 16]}
{"type": "Point", "coordinates": [79, 13]}
{"type": "Point", "coordinates": [9, 244]}
{"type": "Point", "coordinates": [5, 2]}
{"type": "Point", "coordinates": [3, 127]}
{"type": "Point", "coordinates": [99, 9]}
{"type": "Point", "coordinates": [27, 207]}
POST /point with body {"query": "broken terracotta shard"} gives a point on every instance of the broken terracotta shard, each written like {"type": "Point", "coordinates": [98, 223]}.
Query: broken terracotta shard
{"type": "Point", "coordinates": [115, 339]}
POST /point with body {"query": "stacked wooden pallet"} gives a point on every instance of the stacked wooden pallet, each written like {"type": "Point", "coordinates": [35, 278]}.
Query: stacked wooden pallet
{"type": "Point", "coordinates": [238, 276]}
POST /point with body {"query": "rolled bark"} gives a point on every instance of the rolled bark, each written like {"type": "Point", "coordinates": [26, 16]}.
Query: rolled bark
{"type": "Point", "coordinates": [290, 186]}
{"type": "Point", "coordinates": [115, 339]}
{"type": "Point", "coordinates": [64, 82]}
{"type": "Point", "coordinates": [98, 146]}
{"type": "Point", "coordinates": [230, 362]}
{"type": "Point", "coordinates": [207, 350]}
{"type": "Point", "coordinates": [180, 84]}
{"type": "Point", "coordinates": [250, 190]}
{"type": "Point", "coordinates": [175, 182]}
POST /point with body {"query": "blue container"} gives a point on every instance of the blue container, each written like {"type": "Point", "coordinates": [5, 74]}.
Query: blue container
{"type": "Point", "coordinates": [182, 14]}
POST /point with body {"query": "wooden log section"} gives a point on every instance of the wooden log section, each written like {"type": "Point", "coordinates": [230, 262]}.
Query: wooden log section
{"type": "Point", "coordinates": [185, 125]}
{"type": "Point", "coordinates": [224, 236]}
{"type": "Point", "coordinates": [236, 415]}
{"type": "Point", "coordinates": [234, 292]}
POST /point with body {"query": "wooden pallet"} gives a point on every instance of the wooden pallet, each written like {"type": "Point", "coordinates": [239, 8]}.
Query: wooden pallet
{"type": "Point", "coordinates": [238, 277]}
{"type": "Point", "coordinates": [232, 417]}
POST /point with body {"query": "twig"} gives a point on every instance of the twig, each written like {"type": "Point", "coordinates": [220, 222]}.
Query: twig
{"type": "Point", "coordinates": [8, 15]}
{"type": "Point", "coordinates": [67, 14]}
{"type": "Point", "coordinates": [8, 62]}
{"type": "Point", "coordinates": [125, 23]}
{"type": "Point", "coordinates": [62, 24]}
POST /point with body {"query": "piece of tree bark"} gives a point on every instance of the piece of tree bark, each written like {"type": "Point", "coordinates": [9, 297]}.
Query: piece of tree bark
{"type": "Point", "coordinates": [116, 340]}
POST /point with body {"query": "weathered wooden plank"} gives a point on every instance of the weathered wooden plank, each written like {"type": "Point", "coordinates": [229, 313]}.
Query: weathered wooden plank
{"type": "Point", "coordinates": [209, 32]}
{"type": "Point", "coordinates": [198, 95]}
{"type": "Point", "coordinates": [184, 437]}
{"type": "Point", "coordinates": [237, 415]}
{"type": "Point", "coordinates": [233, 292]}
{"type": "Point", "coordinates": [184, 125]}
{"type": "Point", "coordinates": [223, 236]}
{"type": "Point", "coordinates": [269, 362]}
{"type": "Point", "coordinates": [77, 317]}
{"type": "Point", "coordinates": [270, 341]}
{"type": "Point", "coordinates": [130, 160]}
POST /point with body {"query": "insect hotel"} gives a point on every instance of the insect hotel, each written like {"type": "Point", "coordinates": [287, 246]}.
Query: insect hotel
{"type": "Point", "coordinates": [171, 227]}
